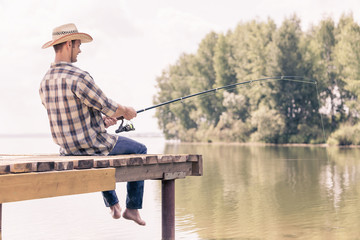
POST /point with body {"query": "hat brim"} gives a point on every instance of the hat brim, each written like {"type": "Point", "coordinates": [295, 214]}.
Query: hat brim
{"type": "Point", "coordinates": [83, 37]}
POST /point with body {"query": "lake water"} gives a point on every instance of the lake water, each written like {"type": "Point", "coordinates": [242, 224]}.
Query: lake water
{"type": "Point", "coordinates": [247, 192]}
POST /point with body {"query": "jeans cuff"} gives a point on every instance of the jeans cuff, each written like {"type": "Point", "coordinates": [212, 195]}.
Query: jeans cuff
{"type": "Point", "coordinates": [110, 198]}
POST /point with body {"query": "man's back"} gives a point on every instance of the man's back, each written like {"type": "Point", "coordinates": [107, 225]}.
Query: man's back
{"type": "Point", "coordinates": [74, 104]}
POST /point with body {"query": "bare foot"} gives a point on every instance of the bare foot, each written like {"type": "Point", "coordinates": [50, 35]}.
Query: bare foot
{"type": "Point", "coordinates": [115, 211]}
{"type": "Point", "coordinates": [133, 214]}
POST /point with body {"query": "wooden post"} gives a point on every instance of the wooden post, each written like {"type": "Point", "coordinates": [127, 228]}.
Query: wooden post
{"type": "Point", "coordinates": [168, 209]}
{"type": "Point", "coordinates": [0, 218]}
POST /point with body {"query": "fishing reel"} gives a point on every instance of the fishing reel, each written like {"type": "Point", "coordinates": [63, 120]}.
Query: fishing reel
{"type": "Point", "coordinates": [125, 128]}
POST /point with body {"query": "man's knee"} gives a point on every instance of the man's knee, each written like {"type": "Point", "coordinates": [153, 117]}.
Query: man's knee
{"type": "Point", "coordinates": [143, 149]}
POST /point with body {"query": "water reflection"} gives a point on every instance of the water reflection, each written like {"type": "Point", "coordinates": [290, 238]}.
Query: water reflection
{"type": "Point", "coordinates": [270, 192]}
{"type": "Point", "coordinates": [247, 192]}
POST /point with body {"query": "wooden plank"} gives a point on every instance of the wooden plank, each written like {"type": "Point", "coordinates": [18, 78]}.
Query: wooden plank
{"type": "Point", "coordinates": [0, 218]}
{"type": "Point", "coordinates": [64, 165]}
{"type": "Point", "coordinates": [122, 162]}
{"type": "Point", "coordinates": [20, 164]}
{"type": "Point", "coordinates": [21, 167]}
{"type": "Point", "coordinates": [151, 159]}
{"type": "Point", "coordinates": [193, 157]}
{"type": "Point", "coordinates": [135, 161]}
{"type": "Point", "coordinates": [129, 160]}
{"type": "Point", "coordinates": [83, 163]}
{"type": "Point", "coordinates": [60, 163]}
{"type": "Point", "coordinates": [4, 169]}
{"type": "Point", "coordinates": [54, 162]}
{"type": "Point", "coordinates": [153, 171]}
{"type": "Point", "coordinates": [165, 158]}
{"type": "Point", "coordinates": [101, 163]}
{"type": "Point", "coordinates": [43, 166]}
{"type": "Point", "coordinates": [181, 158]}
{"type": "Point", "coordinates": [25, 186]}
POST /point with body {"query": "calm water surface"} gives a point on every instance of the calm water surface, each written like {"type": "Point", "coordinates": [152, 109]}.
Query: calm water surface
{"type": "Point", "coordinates": [247, 192]}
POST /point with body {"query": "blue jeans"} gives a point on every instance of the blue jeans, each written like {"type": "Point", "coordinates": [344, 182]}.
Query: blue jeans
{"type": "Point", "coordinates": [135, 190]}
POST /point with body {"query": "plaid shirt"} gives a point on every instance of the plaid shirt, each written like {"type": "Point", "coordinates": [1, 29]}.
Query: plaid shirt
{"type": "Point", "coordinates": [74, 105]}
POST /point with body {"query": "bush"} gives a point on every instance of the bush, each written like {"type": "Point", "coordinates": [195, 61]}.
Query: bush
{"type": "Point", "coordinates": [230, 129]}
{"type": "Point", "coordinates": [308, 134]}
{"type": "Point", "coordinates": [269, 125]}
{"type": "Point", "coordinates": [345, 135]}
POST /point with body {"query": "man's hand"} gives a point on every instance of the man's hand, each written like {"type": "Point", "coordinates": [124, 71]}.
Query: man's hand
{"type": "Point", "coordinates": [124, 112]}
{"type": "Point", "coordinates": [129, 113]}
{"type": "Point", "coordinates": [109, 121]}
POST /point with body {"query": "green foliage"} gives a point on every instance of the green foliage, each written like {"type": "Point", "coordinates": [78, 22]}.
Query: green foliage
{"type": "Point", "coordinates": [346, 135]}
{"type": "Point", "coordinates": [205, 74]}
{"type": "Point", "coordinates": [232, 126]}
{"type": "Point", "coordinates": [273, 111]}
{"type": "Point", "coordinates": [269, 125]}
{"type": "Point", "coordinates": [223, 57]}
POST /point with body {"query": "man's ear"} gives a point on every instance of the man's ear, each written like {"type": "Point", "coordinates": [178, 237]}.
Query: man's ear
{"type": "Point", "coordinates": [69, 44]}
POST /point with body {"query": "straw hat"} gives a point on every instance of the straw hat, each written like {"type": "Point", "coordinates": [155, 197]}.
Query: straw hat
{"type": "Point", "coordinates": [66, 33]}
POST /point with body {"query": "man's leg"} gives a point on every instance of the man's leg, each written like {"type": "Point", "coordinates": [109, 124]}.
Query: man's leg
{"type": "Point", "coordinates": [111, 200]}
{"type": "Point", "coordinates": [135, 190]}
{"type": "Point", "coordinates": [134, 201]}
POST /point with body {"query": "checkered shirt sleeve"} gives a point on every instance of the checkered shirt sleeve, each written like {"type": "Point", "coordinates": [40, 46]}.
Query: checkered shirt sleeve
{"type": "Point", "coordinates": [75, 105]}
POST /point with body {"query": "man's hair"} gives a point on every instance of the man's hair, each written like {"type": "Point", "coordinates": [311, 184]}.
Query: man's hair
{"type": "Point", "coordinates": [59, 46]}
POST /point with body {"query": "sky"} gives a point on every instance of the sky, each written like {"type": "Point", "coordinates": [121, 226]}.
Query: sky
{"type": "Point", "coordinates": [134, 41]}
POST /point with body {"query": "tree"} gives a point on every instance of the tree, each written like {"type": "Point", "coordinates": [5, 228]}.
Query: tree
{"type": "Point", "coordinates": [347, 54]}
{"type": "Point", "coordinates": [225, 73]}
{"type": "Point", "coordinates": [175, 83]}
{"type": "Point", "coordinates": [322, 45]}
{"type": "Point", "coordinates": [163, 114]}
{"type": "Point", "coordinates": [297, 102]}
{"type": "Point", "coordinates": [211, 107]}
{"type": "Point", "coordinates": [272, 111]}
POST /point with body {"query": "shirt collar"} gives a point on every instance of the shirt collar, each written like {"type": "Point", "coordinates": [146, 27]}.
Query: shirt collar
{"type": "Point", "coordinates": [61, 64]}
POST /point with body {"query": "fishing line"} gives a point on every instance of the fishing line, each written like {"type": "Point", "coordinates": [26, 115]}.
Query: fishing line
{"type": "Point", "coordinates": [206, 93]}
{"type": "Point", "coordinates": [250, 84]}
{"type": "Point", "coordinates": [281, 78]}
{"type": "Point", "coordinates": [232, 88]}
{"type": "Point", "coordinates": [321, 118]}
{"type": "Point", "coordinates": [322, 121]}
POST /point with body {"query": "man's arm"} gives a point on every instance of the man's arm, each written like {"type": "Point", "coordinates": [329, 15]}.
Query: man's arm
{"type": "Point", "coordinates": [122, 111]}
{"type": "Point", "coordinates": [91, 95]}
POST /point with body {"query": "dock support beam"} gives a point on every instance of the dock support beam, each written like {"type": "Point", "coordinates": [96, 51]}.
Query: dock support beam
{"type": "Point", "coordinates": [0, 218]}
{"type": "Point", "coordinates": [168, 209]}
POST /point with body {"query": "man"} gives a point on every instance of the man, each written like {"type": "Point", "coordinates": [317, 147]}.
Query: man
{"type": "Point", "coordinates": [79, 113]}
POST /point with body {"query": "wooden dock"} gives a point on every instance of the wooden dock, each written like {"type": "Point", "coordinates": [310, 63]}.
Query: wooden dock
{"type": "Point", "coordinates": [25, 177]}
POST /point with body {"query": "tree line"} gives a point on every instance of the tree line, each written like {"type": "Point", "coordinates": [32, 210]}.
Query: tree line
{"type": "Point", "coordinates": [269, 111]}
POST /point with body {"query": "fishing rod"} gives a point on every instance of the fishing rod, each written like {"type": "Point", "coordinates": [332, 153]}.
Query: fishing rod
{"type": "Point", "coordinates": [130, 127]}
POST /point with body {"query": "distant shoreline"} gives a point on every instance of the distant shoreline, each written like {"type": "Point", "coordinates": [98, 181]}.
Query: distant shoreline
{"type": "Point", "coordinates": [266, 144]}
{"type": "Point", "coordinates": [48, 135]}
{"type": "Point", "coordinates": [159, 135]}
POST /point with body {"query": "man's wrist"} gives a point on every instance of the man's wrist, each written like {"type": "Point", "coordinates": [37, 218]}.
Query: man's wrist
{"type": "Point", "coordinates": [119, 112]}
